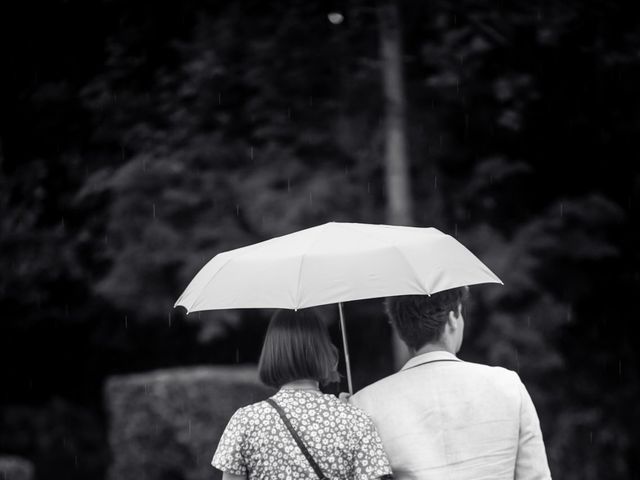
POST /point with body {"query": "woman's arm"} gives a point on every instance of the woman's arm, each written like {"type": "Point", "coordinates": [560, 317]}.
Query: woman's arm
{"type": "Point", "coordinates": [231, 476]}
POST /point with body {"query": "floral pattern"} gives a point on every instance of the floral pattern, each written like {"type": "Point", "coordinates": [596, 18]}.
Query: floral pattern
{"type": "Point", "coordinates": [340, 437]}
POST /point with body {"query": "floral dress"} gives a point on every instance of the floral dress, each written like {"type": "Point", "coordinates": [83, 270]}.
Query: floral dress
{"type": "Point", "coordinates": [340, 437]}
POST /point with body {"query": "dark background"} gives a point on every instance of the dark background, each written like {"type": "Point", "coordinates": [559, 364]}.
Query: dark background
{"type": "Point", "coordinates": [138, 139]}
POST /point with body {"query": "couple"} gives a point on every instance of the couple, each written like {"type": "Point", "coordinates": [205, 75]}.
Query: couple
{"type": "Point", "coordinates": [437, 418]}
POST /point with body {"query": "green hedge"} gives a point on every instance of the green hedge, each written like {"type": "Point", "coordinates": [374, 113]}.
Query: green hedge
{"type": "Point", "coordinates": [165, 425]}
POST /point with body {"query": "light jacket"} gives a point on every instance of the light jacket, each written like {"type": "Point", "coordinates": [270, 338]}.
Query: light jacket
{"type": "Point", "coordinates": [443, 418]}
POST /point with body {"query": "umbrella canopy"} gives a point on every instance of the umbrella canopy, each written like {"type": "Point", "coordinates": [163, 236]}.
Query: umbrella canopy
{"type": "Point", "coordinates": [333, 263]}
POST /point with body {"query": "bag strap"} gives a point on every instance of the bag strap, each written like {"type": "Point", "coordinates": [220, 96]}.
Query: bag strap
{"type": "Point", "coordinates": [296, 437]}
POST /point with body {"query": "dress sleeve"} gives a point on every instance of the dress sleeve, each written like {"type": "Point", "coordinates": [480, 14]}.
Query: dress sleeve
{"type": "Point", "coordinates": [230, 454]}
{"type": "Point", "coordinates": [370, 459]}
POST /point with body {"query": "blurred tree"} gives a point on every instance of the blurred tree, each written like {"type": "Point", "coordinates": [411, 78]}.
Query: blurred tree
{"type": "Point", "coordinates": [233, 148]}
{"type": "Point", "coordinates": [396, 161]}
{"type": "Point", "coordinates": [175, 130]}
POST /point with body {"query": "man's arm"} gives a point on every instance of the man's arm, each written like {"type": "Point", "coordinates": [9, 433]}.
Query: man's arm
{"type": "Point", "coordinates": [531, 462]}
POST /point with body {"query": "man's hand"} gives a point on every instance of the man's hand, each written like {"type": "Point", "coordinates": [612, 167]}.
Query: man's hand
{"type": "Point", "coordinates": [344, 396]}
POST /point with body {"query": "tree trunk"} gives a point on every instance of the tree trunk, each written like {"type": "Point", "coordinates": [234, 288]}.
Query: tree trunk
{"type": "Point", "coordinates": [397, 180]}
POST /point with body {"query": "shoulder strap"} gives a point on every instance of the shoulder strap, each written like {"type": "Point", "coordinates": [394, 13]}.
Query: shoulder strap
{"type": "Point", "coordinates": [305, 452]}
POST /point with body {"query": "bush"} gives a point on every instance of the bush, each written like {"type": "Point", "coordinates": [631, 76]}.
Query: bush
{"type": "Point", "coordinates": [15, 468]}
{"type": "Point", "coordinates": [166, 425]}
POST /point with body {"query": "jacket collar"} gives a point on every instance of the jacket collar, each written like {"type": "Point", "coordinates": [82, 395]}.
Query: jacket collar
{"type": "Point", "coordinates": [430, 357]}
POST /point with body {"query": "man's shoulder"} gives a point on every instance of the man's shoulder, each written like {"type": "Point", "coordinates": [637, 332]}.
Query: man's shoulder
{"type": "Point", "coordinates": [391, 385]}
{"type": "Point", "coordinates": [490, 370]}
{"type": "Point", "coordinates": [381, 385]}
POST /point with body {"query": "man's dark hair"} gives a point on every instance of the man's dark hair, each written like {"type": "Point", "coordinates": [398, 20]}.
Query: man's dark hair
{"type": "Point", "coordinates": [420, 319]}
{"type": "Point", "coordinates": [297, 346]}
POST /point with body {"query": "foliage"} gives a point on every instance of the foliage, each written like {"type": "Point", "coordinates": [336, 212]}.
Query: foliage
{"type": "Point", "coordinates": [177, 130]}
{"type": "Point", "coordinates": [15, 468]}
{"type": "Point", "coordinates": [167, 424]}
{"type": "Point", "coordinates": [61, 436]}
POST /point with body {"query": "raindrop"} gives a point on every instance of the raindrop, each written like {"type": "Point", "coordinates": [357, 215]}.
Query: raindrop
{"type": "Point", "coordinates": [517, 361]}
{"type": "Point", "coordinates": [311, 101]}
{"type": "Point", "coordinates": [169, 319]}
{"type": "Point", "coordinates": [251, 153]}
{"type": "Point", "coordinates": [455, 229]}
{"type": "Point", "coordinates": [219, 99]}
{"type": "Point", "coordinates": [237, 209]}
{"type": "Point", "coordinates": [435, 182]}
{"type": "Point", "coordinates": [288, 184]}
{"type": "Point", "coordinates": [126, 322]}
{"type": "Point", "coordinates": [561, 209]}
{"type": "Point", "coordinates": [237, 355]}
{"type": "Point", "coordinates": [154, 210]}
{"type": "Point", "coordinates": [310, 198]}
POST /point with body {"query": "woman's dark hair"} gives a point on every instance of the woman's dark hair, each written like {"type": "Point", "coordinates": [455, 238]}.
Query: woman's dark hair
{"type": "Point", "coordinates": [420, 319]}
{"type": "Point", "coordinates": [297, 346]}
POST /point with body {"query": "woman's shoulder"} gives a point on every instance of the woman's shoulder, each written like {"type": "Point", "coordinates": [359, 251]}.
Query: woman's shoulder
{"type": "Point", "coordinates": [250, 413]}
{"type": "Point", "coordinates": [346, 410]}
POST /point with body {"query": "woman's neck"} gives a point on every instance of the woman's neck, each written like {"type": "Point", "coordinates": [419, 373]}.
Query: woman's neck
{"type": "Point", "coordinates": [303, 384]}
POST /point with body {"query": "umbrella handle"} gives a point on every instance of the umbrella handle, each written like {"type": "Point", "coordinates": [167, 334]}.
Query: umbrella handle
{"type": "Point", "coordinates": [346, 348]}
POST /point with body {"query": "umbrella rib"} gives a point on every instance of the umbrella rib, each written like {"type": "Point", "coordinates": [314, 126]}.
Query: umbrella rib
{"type": "Point", "coordinates": [198, 298]}
{"type": "Point", "coordinates": [402, 255]}
{"type": "Point", "coordinates": [249, 250]}
{"type": "Point", "coordinates": [312, 244]}
{"type": "Point", "coordinates": [395, 247]}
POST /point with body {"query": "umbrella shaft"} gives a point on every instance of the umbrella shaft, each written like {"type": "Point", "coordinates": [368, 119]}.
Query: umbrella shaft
{"type": "Point", "coordinates": [346, 348]}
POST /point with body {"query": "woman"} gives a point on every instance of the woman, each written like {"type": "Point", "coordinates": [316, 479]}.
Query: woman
{"type": "Point", "coordinates": [298, 357]}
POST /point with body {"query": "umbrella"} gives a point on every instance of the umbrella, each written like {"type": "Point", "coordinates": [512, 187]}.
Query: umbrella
{"type": "Point", "coordinates": [334, 263]}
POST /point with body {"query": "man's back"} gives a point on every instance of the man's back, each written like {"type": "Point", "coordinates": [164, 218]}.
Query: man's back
{"type": "Point", "coordinates": [441, 418]}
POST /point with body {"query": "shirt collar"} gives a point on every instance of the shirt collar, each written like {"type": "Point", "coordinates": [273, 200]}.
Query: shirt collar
{"type": "Point", "coordinates": [430, 357]}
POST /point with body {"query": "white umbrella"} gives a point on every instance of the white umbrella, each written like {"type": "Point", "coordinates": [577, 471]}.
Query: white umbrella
{"type": "Point", "coordinates": [334, 263]}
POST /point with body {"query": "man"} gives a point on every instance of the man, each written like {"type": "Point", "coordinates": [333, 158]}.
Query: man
{"type": "Point", "coordinates": [442, 418]}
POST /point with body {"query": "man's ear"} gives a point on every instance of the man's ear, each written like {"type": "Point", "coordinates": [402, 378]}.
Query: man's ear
{"type": "Point", "coordinates": [454, 317]}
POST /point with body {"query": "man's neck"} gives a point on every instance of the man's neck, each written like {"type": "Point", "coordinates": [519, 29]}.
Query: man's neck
{"type": "Point", "coordinates": [432, 347]}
